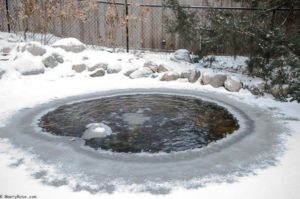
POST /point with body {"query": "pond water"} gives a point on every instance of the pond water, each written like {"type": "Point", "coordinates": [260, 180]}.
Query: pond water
{"type": "Point", "coordinates": [143, 123]}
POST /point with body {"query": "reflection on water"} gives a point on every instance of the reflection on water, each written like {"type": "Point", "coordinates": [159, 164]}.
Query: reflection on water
{"type": "Point", "coordinates": [148, 123]}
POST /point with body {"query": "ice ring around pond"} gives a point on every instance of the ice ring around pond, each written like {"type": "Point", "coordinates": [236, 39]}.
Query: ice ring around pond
{"type": "Point", "coordinates": [196, 152]}
{"type": "Point", "coordinates": [142, 123]}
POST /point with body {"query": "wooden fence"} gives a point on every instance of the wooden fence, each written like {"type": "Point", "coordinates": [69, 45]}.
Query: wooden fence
{"type": "Point", "coordinates": [105, 24]}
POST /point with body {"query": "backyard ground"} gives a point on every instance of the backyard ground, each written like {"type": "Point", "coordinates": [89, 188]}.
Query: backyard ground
{"type": "Point", "coordinates": [28, 77]}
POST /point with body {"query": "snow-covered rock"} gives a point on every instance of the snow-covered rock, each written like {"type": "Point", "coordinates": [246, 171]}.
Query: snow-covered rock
{"type": "Point", "coordinates": [79, 68]}
{"type": "Point", "coordinates": [96, 130]}
{"type": "Point", "coordinates": [98, 73]}
{"type": "Point", "coordinates": [114, 69]}
{"type": "Point", "coordinates": [70, 45]}
{"type": "Point", "coordinates": [34, 48]}
{"type": "Point", "coordinates": [215, 80]}
{"type": "Point", "coordinates": [1, 72]}
{"type": "Point", "coordinates": [233, 84]}
{"type": "Point", "coordinates": [98, 66]}
{"type": "Point", "coordinates": [28, 66]}
{"type": "Point", "coordinates": [53, 60]}
{"type": "Point", "coordinates": [170, 76]}
{"type": "Point", "coordinates": [162, 68]}
{"type": "Point", "coordinates": [142, 72]}
{"type": "Point", "coordinates": [5, 51]}
{"type": "Point", "coordinates": [280, 90]}
{"type": "Point", "coordinates": [182, 55]}
{"type": "Point", "coordinates": [256, 86]}
{"type": "Point", "coordinates": [191, 75]}
{"type": "Point", "coordinates": [152, 66]}
{"type": "Point", "coordinates": [228, 63]}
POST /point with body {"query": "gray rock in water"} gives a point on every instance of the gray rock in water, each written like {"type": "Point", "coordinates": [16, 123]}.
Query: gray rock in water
{"type": "Point", "coordinates": [79, 68]}
{"type": "Point", "coordinates": [215, 80]}
{"type": "Point", "coordinates": [96, 130]}
{"type": "Point", "coordinates": [233, 84]}
{"type": "Point", "coordinates": [70, 45]}
{"type": "Point", "coordinates": [161, 68]}
{"type": "Point", "coordinates": [98, 66]}
{"type": "Point", "coordinates": [191, 75]}
{"type": "Point", "coordinates": [98, 73]}
{"type": "Point", "coordinates": [182, 55]}
{"type": "Point", "coordinates": [170, 76]}
{"type": "Point", "coordinates": [34, 49]}
{"type": "Point", "coordinates": [142, 72]}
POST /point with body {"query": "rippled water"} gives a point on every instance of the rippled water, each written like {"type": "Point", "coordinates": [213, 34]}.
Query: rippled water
{"type": "Point", "coordinates": [144, 123]}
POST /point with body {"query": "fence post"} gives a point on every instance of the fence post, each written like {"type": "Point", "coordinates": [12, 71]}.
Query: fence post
{"type": "Point", "coordinates": [127, 29]}
{"type": "Point", "coordinates": [7, 15]}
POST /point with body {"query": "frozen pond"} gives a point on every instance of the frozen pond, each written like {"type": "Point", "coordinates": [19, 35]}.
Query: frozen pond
{"type": "Point", "coordinates": [255, 144]}
{"type": "Point", "coordinates": [143, 123]}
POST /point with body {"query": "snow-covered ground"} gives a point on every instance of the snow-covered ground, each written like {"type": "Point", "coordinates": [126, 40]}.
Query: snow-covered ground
{"type": "Point", "coordinates": [27, 83]}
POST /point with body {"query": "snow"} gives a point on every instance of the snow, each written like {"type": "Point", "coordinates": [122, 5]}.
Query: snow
{"type": "Point", "coordinates": [68, 42]}
{"type": "Point", "coordinates": [18, 92]}
{"type": "Point", "coordinates": [96, 130]}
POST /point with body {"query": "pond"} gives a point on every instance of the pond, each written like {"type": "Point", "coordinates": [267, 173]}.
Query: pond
{"type": "Point", "coordinates": [137, 123]}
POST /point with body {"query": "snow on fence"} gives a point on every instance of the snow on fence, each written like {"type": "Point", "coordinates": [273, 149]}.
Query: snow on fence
{"type": "Point", "coordinates": [104, 22]}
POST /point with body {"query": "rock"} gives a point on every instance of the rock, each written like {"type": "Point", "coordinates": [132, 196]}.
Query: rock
{"type": "Point", "coordinates": [79, 68]}
{"type": "Point", "coordinates": [152, 66]}
{"type": "Point", "coordinates": [170, 76]}
{"type": "Point", "coordinates": [129, 72]}
{"type": "Point", "coordinates": [191, 75]}
{"type": "Point", "coordinates": [53, 60]}
{"type": "Point", "coordinates": [161, 68]}
{"type": "Point", "coordinates": [233, 84]}
{"type": "Point", "coordinates": [114, 69]}
{"type": "Point", "coordinates": [28, 66]}
{"type": "Point", "coordinates": [182, 55]}
{"type": "Point", "coordinates": [98, 73]}
{"type": "Point", "coordinates": [98, 66]}
{"type": "Point", "coordinates": [142, 72]}
{"type": "Point", "coordinates": [96, 130]}
{"type": "Point", "coordinates": [5, 51]}
{"type": "Point", "coordinates": [215, 80]}
{"type": "Point", "coordinates": [34, 48]}
{"type": "Point", "coordinates": [256, 86]}
{"type": "Point", "coordinates": [70, 45]}
{"type": "Point", "coordinates": [280, 90]}
{"type": "Point", "coordinates": [1, 72]}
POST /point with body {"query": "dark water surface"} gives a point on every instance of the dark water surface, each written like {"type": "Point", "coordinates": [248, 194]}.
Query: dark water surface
{"type": "Point", "coordinates": [144, 123]}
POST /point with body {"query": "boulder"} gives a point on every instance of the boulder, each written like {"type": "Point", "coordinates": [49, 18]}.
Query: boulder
{"type": "Point", "coordinates": [28, 67]}
{"type": "Point", "coordinates": [142, 72]}
{"type": "Point", "coordinates": [215, 80]}
{"type": "Point", "coordinates": [114, 69]}
{"type": "Point", "coordinates": [182, 55]}
{"type": "Point", "coordinates": [170, 76]}
{"type": "Point", "coordinates": [233, 84]}
{"type": "Point", "coordinates": [98, 66]}
{"type": "Point", "coordinates": [256, 86]}
{"type": "Point", "coordinates": [129, 72]}
{"type": "Point", "coordinates": [5, 51]}
{"type": "Point", "coordinates": [96, 130]}
{"type": "Point", "coordinates": [191, 75]}
{"type": "Point", "coordinates": [161, 68]}
{"type": "Point", "coordinates": [98, 73]}
{"type": "Point", "coordinates": [79, 68]}
{"type": "Point", "coordinates": [152, 66]}
{"type": "Point", "coordinates": [53, 60]}
{"type": "Point", "coordinates": [1, 72]}
{"type": "Point", "coordinates": [280, 90]}
{"type": "Point", "coordinates": [70, 45]}
{"type": "Point", "coordinates": [34, 48]}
